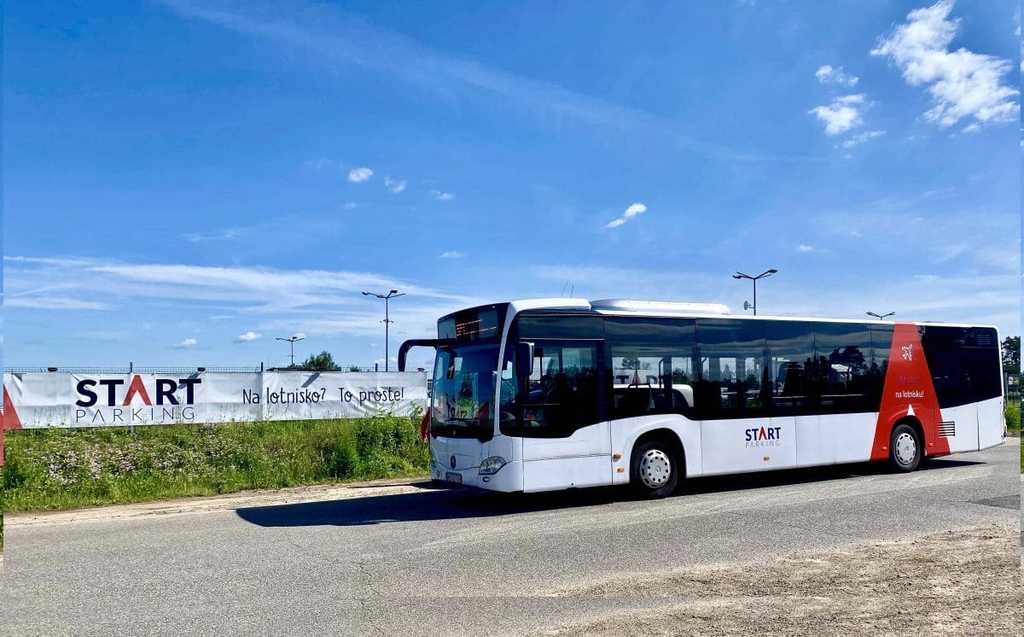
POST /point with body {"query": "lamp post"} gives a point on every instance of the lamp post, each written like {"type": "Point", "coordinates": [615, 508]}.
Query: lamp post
{"type": "Point", "coordinates": [291, 340]}
{"type": "Point", "coordinates": [392, 294]}
{"type": "Point", "coordinates": [755, 279]}
{"type": "Point", "coordinates": [880, 317]}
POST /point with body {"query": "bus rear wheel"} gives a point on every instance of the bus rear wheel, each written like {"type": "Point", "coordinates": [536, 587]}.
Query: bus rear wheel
{"type": "Point", "coordinates": [654, 469]}
{"type": "Point", "coordinates": [905, 448]}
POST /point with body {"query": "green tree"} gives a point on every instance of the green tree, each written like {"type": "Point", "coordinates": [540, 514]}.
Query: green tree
{"type": "Point", "coordinates": [1011, 354]}
{"type": "Point", "coordinates": [322, 362]}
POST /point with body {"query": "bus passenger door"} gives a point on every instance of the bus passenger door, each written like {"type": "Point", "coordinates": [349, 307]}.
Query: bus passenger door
{"type": "Point", "coordinates": [565, 433]}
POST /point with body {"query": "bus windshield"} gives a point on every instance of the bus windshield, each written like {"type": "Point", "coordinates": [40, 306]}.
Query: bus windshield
{"type": "Point", "coordinates": [463, 391]}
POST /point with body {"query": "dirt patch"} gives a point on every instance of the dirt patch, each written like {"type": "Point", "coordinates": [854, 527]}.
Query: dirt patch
{"type": "Point", "coordinates": [955, 582]}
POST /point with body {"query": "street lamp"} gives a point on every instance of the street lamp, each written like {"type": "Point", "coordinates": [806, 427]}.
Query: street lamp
{"type": "Point", "coordinates": [880, 317]}
{"type": "Point", "coordinates": [392, 294]}
{"type": "Point", "coordinates": [755, 279]}
{"type": "Point", "coordinates": [291, 340]}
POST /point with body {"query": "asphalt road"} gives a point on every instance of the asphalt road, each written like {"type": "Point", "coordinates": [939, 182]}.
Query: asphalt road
{"type": "Point", "coordinates": [460, 562]}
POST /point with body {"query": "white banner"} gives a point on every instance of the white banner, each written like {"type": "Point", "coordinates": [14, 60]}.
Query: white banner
{"type": "Point", "coordinates": [58, 399]}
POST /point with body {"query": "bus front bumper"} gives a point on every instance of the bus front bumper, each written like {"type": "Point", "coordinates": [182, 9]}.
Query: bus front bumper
{"type": "Point", "coordinates": [507, 479]}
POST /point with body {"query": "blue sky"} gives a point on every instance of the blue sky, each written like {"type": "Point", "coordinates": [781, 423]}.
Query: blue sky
{"type": "Point", "coordinates": [186, 179]}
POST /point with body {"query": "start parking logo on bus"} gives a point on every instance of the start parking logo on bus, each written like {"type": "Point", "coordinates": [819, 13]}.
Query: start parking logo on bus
{"type": "Point", "coordinates": [763, 436]}
{"type": "Point", "coordinates": [98, 402]}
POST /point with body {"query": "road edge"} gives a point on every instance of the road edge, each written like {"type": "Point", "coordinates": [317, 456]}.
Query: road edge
{"type": "Point", "coordinates": [219, 503]}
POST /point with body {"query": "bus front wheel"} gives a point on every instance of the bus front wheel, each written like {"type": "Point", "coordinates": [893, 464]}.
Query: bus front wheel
{"type": "Point", "coordinates": [905, 448]}
{"type": "Point", "coordinates": [654, 470]}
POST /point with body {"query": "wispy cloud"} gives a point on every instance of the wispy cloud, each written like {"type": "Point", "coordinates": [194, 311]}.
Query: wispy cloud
{"type": "Point", "coordinates": [339, 37]}
{"type": "Point", "coordinates": [359, 175]}
{"type": "Point", "coordinates": [188, 343]}
{"type": "Point", "coordinates": [440, 195]}
{"type": "Point", "coordinates": [843, 114]}
{"type": "Point", "coordinates": [275, 300]}
{"type": "Point", "coordinates": [989, 298]}
{"type": "Point", "coordinates": [44, 302]}
{"type": "Point", "coordinates": [827, 74]}
{"type": "Point", "coordinates": [452, 254]}
{"type": "Point", "coordinates": [632, 211]}
{"type": "Point", "coordinates": [395, 185]}
{"type": "Point", "coordinates": [962, 84]}
{"type": "Point", "coordinates": [320, 163]}
{"type": "Point", "coordinates": [33, 280]}
{"type": "Point", "coordinates": [983, 242]}
{"type": "Point", "coordinates": [248, 337]}
{"type": "Point", "coordinates": [804, 247]}
{"type": "Point", "coordinates": [220, 235]}
{"type": "Point", "coordinates": [860, 138]}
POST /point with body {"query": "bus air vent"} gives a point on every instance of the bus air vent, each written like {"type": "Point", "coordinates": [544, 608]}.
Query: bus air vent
{"type": "Point", "coordinates": [947, 428]}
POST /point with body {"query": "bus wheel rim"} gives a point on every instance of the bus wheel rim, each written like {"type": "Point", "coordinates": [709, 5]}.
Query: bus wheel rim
{"type": "Point", "coordinates": [906, 448]}
{"type": "Point", "coordinates": [655, 468]}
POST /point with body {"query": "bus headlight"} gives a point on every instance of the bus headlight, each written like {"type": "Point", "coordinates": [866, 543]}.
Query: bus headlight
{"type": "Point", "coordinates": [491, 465]}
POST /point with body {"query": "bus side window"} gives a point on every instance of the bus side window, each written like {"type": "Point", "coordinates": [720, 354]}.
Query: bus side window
{"type": "Point", "coordinates": [561, 395]}
{"type": "Point", "coordinates": [732, 376]}
{"type": "Point", "coordinates": [790, 346]}
{"type": "Point", "coordinates": [651, 366]}
{"type": "Point", "coordinates": [964, 363]}
{"type": "Point", "coordinates": [843, 360]}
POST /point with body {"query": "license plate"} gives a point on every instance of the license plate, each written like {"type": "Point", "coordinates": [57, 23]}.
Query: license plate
{"type": "Point", "coordinates": [451, 476]}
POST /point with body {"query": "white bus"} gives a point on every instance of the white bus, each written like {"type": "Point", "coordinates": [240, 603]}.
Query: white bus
{"type": "Point", "coordinates": [548, 394]}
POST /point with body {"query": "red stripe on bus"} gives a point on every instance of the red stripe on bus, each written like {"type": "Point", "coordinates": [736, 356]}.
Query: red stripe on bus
{"type": "Point", "coordinates": [10, 418]}
{"type": "Point", "coordinates": [908, 390]}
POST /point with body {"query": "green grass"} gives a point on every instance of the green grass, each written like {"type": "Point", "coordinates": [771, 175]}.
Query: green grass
{"type": "Point", "coordinates": [1012, 413]}
{"type": "Point", "coordinates": [51, 469]}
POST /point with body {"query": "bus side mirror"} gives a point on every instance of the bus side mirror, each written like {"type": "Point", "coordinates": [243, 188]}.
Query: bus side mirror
{"type": "Point", "coordinates": [524, 360]}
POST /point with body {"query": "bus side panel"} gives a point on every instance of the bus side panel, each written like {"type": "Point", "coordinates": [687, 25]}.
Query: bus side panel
{"type": "Point", "coordinates": [581, 460]}
{"type": "Point", "coordinates": [565, 473]}
{"type": "Point", "coordinates": [960, 427]}
{"type": "Point", "coordinates": [741, 445]}
{"type": "Point", "coordinates": [850, 435]}
{"type": "Point", "coordinates": [626, 431]}
{"type": "Point", "coordinates": [991, 423]}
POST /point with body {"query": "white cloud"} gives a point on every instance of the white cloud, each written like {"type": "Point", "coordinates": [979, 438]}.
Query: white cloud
{"type": "Point", "coordinates": [860, 138]}
{"type": "Point", "coordinates": [452, 254]}
{"type": "Point", "coordinates": [395, 185]}
{"type": "Point", "coordinates": [803, 247]}
{"type": "Point", "coordinates": [843, 114]}
{"type": "Point", "coordinates": [350, 205]}
{"type": "Point", "coordinates": [77, 283]}
{"type": "Point", "coordinates": [43, 302]}
{"type": "Point", "coordinates": [827, 74]}
{"type": "Point", "coordinates": [632, 211]}
{"type": "Point", "coordinates": [186, 344]}
{"type": "Point", "coordinates": [963, 84]}
{"type": "Point", "coordinates": [441, 195]}
{"type": "Point", "coordinates": [359, 175]}
{"type": "Point", "coordinates": [248, 337]}
{"type": "Point", "coordinates": [220, 235]}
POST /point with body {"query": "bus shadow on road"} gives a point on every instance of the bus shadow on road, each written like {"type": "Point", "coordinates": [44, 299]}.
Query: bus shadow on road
{"type": "Point", "coordinates": [452, 504]}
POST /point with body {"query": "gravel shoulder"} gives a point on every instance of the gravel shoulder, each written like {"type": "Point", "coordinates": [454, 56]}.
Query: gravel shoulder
{"type": "Point", "coordinates": [954, 582]}
{"type": "Point", "coordinates": [228, 502]}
